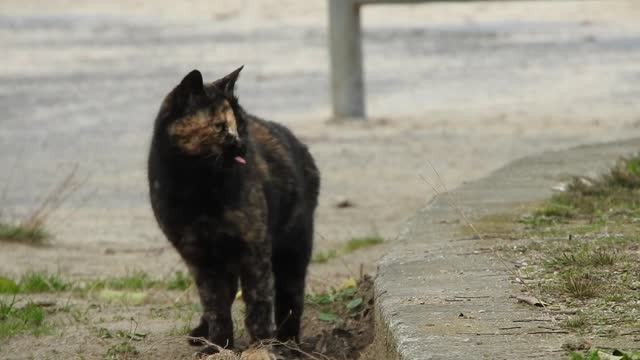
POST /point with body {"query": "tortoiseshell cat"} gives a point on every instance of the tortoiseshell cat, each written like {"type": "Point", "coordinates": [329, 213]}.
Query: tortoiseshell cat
{"type": "Point", "coordinates": [235, 195]}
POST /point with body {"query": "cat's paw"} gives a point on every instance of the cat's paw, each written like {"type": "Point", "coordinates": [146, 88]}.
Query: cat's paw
{"type": "Point", "coordinates": [198, 335]}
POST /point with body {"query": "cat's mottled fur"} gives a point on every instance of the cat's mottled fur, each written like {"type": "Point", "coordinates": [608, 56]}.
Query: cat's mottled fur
{"type": "Point", "coordinates": [235, 195]}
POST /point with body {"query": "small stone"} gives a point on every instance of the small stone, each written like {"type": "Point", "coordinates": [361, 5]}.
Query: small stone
{"type": "Point", "coordinates": [343, 203]}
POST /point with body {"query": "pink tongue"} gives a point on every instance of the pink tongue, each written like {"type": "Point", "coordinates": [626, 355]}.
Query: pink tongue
{"type": "Point", "coordinates": [240, 159]}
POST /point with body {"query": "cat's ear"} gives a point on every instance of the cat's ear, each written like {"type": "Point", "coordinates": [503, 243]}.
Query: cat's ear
{"type": "Point", "coordinates": [192, 84]}
{"type": "Point", "coordinates": [227, 83]}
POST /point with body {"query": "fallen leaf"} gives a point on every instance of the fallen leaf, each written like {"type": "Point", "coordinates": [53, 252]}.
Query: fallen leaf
{"type": "Point", "coordinates": [327, 316]}
{"type": "Point", "coordinates": [348, 284]}
{"type": "Point", "coordinates": [355, 303]}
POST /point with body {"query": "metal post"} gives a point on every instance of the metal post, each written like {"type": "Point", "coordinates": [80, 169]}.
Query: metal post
{"type": "Point", "coordinates": [347, 84]}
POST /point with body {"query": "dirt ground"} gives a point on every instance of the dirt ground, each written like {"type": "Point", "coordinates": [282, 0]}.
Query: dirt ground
{"type": "Point", "coordinates": [463, 87]}
{"type": "Point", "coordinates": [88, 327]}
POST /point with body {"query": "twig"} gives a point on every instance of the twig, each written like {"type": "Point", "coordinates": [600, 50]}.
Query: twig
{"type": "Point", "coordinates": [530, 320]}
{"type": "Point", "coordinates": [472, 297]}
{"type": "Point", "coordinates": [52, 202]}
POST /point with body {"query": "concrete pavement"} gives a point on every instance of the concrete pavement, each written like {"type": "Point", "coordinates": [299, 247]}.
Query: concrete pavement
{"type": "Point", "coordinates": [442, 295]}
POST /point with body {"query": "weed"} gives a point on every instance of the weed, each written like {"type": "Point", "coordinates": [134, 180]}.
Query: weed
{"type": "Point", "coordinates": [35, 282]}
{"type": "Point", "coordinates": [322, 257]}
{"type": "Point", "coordinates": [8, 286]}
{"type": "Point", "coordinates": [335, 304]}
{"type": "Point", "coordinates": [26, 319]}
{"type": "Point", "coordinates": [536, 221]}
{"type": "Point", "coordinates": [577, 322]}
{"type": "Point", "coordinates": [137, 280]}
{"type": "Point", "coordinates": [332, 295]}
{"type": "Point", "coordinates": [105, 333]}
{"type": "Point", "coordinates": [565, 259]}
{"type": "Point", "coordinates": [603, 257]}
{"type": "Point", "coordinates": [556, 210]}
{"type": "Point", "coordinates": [31, 229]}
{"type": "Point", "coordinates": [580, 285]}
{"type": "Point", "coordinates": [179, 281]}
{"type": "Point", "coordinates": [22, 234]}
{"type": "Point", "coordinates": [583, 257]}
{"type": "Point", "coordinates": [362, 242]}
{"type": "Point", "coordinates": [121, 350]}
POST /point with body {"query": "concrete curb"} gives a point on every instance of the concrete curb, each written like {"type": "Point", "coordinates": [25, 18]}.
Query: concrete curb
{"type": "Point", "coordinates": [441, 296]}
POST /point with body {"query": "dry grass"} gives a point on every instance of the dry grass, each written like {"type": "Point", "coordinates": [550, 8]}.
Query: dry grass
{"type": "Point", "coordinates": [262, 351]}
{"type": "Point", "coordinates": [581, 286]}
{"type": "Point", "coordinates": [31, 229]}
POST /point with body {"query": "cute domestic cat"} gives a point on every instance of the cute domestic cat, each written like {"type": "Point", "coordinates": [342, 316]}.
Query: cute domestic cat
{"type": "Point", "coordinates": [235, 195]}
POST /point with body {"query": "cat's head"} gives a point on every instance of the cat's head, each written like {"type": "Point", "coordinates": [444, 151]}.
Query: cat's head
{"type": "Point", "coordinates": [203, 120]}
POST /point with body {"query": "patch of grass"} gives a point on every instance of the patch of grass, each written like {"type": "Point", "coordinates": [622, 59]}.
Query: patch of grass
{"type": "Point", "coordinates": [137, 280]}
{"type": "Point", "coordinates": [34, 282]}
{"type": "Point", "coordinates": [322, 257]}
{"type": "Point", "coordinates": [332, 295]}
{"type": "Point", "coordinates": [140, 281]}
{"type": "Point", "coordinates": [362, 242]}
{"type": "Point", "coordinates": [580, 285]}
{"type": "Point", "coordinates": [578, 322]}
{"type": "Point", "coordinates": [18, 320]}
{"type": "Point", "coordinates": [581, 256]}
{"type": "Point", "coordinates": [603, 257]}
{"type": "Point", "coordinates": [336, 304]}
{"type": "Point", "coordinates": [179, 281]}
{"type": "Point", "coordinates": [557, 210]}
{"type": "Point", "coordinates": [8, 286]}
{"type": "Point", "coordinates": [497, 225]}
{"type": "Point", "coordinates": [586, 255]}
{"type": "Point", "coordinates": [121, 350]}
{"type": "Point", "coordinates": [354, 244]}
{"type": "Point", "coordinates": [22, 234]}
{"type": "Point", "coordinates": [30, 230]}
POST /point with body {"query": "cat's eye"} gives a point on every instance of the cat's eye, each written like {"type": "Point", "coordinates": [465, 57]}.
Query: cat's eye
{"type": "Point", "coordinates": [219, 126]}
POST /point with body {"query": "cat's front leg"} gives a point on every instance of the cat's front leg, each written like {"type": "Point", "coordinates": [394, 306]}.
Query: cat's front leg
{"type": "Point", "coordinates": [217, 285]}
{"type": "Point", "coordinates": [256, 278]}
{"type": "Point", "coordinates": [217, 289]}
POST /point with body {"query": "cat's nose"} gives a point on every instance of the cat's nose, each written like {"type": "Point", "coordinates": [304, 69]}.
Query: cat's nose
{"type": "Point", "coordinates": [231, 139]}
{"type": "Point", "coordinates": [234, 144]}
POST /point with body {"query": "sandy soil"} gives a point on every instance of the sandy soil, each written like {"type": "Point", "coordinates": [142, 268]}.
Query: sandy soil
{"type": "Point", "coordinates": [465, 87]}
